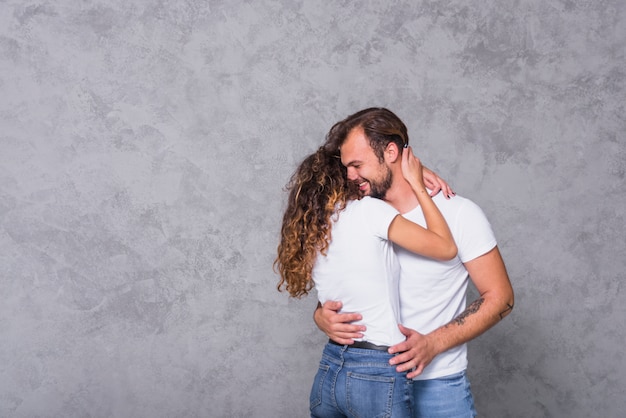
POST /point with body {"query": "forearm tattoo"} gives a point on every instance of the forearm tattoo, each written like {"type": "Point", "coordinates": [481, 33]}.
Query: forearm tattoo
{"type": "Point", "coordinates": [471, 309]}
{"type": "Point", "coordinates": [505, 312]}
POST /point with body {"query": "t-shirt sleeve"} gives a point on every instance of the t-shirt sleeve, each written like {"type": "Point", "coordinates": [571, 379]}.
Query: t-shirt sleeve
{"type": "Point", "coordinates": [474, 236]}
{"type": "Point", "coordinates": [378, 216]}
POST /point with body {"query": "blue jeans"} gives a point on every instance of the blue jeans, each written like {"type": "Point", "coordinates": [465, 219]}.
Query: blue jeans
{"type": "Point", "coordinates": [445, 397]}
{"type": "Point", "coordinates": [357, 382]}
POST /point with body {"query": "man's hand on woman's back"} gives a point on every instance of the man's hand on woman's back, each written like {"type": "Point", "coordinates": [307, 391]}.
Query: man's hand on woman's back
{"type": "Point", "coordinates": [338, 326]}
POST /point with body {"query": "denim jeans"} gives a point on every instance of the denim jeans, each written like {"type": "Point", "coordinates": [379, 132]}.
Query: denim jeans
{"type": "Point", "coordinates": [444, 397]}
{"type": "Point", "coordinates": [356, 382]}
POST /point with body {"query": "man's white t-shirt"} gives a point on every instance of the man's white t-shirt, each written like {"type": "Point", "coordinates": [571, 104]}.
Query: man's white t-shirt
{"type": "Point", "coordinates": [361, 269]}
{"type": "Point", "coordinates": [432, 293]}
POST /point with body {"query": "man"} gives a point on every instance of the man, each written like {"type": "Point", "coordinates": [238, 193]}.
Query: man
{"type": "Point", "coordinates": [436, 320]}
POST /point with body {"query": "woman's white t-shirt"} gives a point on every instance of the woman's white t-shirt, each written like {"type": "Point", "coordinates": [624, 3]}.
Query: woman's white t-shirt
{"type": "Point", "coordinates": [361, 269]}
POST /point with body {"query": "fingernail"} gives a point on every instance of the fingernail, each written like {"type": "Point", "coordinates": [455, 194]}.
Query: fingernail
{"type": "Point", "coordinates": [406, 145]}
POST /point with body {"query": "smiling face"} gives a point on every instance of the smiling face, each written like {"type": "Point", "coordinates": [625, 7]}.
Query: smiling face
{"type": "Point", "coordinates": [364, 167]}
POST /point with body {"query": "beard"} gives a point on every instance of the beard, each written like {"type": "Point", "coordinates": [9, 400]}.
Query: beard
{"type": "Point", "coordinates": [378, 188]}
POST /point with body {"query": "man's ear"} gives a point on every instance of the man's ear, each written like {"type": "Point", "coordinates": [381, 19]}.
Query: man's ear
{"type": "Point", "coordinates": [392, 153]}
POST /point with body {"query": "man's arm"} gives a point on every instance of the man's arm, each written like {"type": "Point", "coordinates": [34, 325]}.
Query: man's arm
{"type": "Point", "coordinates": [496, 300]}
{"type": "Point", "coordinates": [337, 325]}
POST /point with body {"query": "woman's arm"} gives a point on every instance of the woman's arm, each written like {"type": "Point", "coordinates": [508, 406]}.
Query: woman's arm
{"type": "Point", "coordinates": [436, 184]}
{"type": "Point", "coordinates": [434, 241]}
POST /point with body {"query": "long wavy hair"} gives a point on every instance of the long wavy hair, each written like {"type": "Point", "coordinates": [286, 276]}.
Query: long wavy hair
{"type": "Point", "coordinates": [318, 189]}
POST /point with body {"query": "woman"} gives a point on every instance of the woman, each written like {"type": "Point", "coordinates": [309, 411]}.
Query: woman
{"type": "Point", "coordinates": [342, 244]}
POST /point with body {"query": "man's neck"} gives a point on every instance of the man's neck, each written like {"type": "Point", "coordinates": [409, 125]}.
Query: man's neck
{"type": "Point", "coordinates": [401, 196]}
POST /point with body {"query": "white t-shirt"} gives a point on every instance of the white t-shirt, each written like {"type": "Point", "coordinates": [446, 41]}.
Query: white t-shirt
{"type": "Point", "coordinates": [432, 293]}
{"type": "Point", "coordinates": [361, 269]}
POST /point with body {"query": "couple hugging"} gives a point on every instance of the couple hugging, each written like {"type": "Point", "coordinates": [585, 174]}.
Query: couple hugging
{"type": "Point", "coordinates": [390, 262]}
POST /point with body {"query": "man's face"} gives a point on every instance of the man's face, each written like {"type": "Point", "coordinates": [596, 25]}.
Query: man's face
{"type": "Point", "coordinates": [373, 177]}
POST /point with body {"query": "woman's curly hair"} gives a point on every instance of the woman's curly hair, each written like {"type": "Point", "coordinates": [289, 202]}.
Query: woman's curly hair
{"type": "Point", "coordinates": [318, 189]}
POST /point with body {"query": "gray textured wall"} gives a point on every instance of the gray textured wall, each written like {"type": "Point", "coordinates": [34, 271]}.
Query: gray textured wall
{"type": "Point", "coordinates": [143, 151]}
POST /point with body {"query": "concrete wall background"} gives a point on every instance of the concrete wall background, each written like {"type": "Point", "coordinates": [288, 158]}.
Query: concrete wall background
{"type": "Point", "coordinates": [143, 151]}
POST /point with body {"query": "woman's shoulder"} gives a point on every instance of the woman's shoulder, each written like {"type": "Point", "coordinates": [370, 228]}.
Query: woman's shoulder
{"type": "Point", "coordinates": [374, 206]}
{"type": "Point", "coordinates": [367, 202]}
